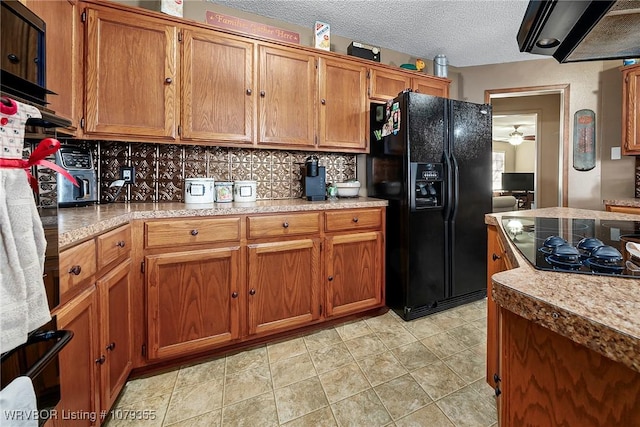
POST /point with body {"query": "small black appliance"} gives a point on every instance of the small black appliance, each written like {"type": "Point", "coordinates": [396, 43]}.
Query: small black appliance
{"type": "Point", "coordinates": [314, 184]}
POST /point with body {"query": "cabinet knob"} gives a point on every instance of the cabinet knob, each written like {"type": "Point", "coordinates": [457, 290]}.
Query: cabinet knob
{"type": "Point", "coordinates": [330, 278]}
{"type": "Point", "coordinates": [234, 295]}
{"type": "Point", "coordinates": [323, 101]}
{"type": "Point", "coordinates": [13, 58]}
{"type": "Point", "coordinates": [498, 391]}
{"type": "Point", "coordinates": [252, 292]}
{"type": "Point", "coordinates": [248, 91]}
{"type": "Point", "coordinates": [120, 244]}
{"type": "Point", "coordinates": [75, 270]}
{"type": "Point", "coordinates": [496, 378]}
{"type": "Point", "coordinates": [194, 232]}
{"type": "Point", "coordinates": [262, 94]}
{"type": "Point", "coordinates": [496, 257]}
{"type": "Point", "coordinates": [111, 346]}
{"type": "Point", "coordinates": [101, 360]}
{"type": "Point", "coordinates": [168, 80]}
{"type": "Point", "coordinates": [355, 219]}
{"type": "Point", "coordinates": [285, 224]}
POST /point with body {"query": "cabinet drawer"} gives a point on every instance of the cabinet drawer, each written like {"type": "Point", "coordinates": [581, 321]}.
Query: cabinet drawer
{"type": "Point", "coordinates": [116, 244]}
{"type": "Point", "coordinates": [191, 231]}
{"type": "Point", "coordinates": [283, 225]}
{"type": "Point", "coordinates": [353, 219]}
{"type": "Point", "coordinates": [77, 265]}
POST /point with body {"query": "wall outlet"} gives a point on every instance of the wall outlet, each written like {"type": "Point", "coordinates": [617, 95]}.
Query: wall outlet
{"type": "Point", "coordinates": [128, 173]}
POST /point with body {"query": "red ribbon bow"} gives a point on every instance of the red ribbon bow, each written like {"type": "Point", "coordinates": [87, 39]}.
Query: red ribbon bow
{"type": "Point", "coordinates": [45, 148]}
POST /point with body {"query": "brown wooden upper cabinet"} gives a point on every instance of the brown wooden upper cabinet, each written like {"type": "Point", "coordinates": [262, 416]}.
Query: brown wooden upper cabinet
{"type": "Point", "coordinates": [63, 54]}
{"type": "Point", "coordinates": [631, 110]}
{"type": "Point", "coordinates": [131, 75]}
{"type": "Point", "coordinates": [387, 84]}
{"type": "Point", "coordinates": [342, 107]}
{"type": "Point", "coordinates": [218, 99]}
{"type": "Point", "coordinates": [286, 97]}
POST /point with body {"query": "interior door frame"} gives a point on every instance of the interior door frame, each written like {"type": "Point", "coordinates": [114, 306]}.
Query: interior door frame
{"type": "Point", "coordinates": [563, 90]}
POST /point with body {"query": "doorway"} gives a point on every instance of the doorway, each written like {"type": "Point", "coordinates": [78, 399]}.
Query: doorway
{"type": "Point", "coordinates": [551, 104]}
{"type": "Point", "coordinates": [514, 156]}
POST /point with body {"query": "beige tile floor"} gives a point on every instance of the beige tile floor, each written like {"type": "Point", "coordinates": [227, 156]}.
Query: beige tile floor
{"type": "Point", "coordinates": [378, 371]}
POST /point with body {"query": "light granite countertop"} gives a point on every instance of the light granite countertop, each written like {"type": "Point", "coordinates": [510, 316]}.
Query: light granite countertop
{"type": "Point", "coordinates": [599, 312]}
{"type": "Point", "coordinates": [623, 202]}
{"type": "Point", "coordinates": [79, 224]}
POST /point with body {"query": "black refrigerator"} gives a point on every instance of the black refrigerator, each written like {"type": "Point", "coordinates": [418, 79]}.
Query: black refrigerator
{"type": "Point", "coordinates": [431, 159]}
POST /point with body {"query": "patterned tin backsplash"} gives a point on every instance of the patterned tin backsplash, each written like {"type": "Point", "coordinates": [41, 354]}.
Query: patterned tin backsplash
{"type": "Point", "coordinates": [160, 170]}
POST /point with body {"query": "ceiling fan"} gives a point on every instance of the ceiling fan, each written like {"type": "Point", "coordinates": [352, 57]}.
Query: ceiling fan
{"type": "Point", "coordinates": [516, 137]}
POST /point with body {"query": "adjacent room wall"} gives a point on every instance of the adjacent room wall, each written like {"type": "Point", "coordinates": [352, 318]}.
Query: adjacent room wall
{"type": "Point", "coordinates": [593, 85]}
{"type": "Point", "coordinates": [546, 156]}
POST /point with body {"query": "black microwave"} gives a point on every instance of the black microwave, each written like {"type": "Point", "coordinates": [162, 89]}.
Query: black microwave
{"type": "Point", "coordinates": [23, 53]}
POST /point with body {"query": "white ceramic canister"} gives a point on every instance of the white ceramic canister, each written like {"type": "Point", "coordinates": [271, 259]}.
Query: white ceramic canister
{"type": "Point", "coordinates": [199, 190]}
{"type": "Point", "coordinates": [224, 191]}
{"type": "Point", "coordinates": [244, 191]}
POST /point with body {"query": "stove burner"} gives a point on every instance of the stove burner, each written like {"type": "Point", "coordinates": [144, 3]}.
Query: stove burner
{"type": "Point", "coordinates": [577, 245]}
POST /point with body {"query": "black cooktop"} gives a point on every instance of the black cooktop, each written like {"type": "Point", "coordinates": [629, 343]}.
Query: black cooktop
{"type": "Point", "coordinates": [576, 245]}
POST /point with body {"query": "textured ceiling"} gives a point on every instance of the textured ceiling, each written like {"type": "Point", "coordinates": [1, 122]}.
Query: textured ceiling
{"type": "Point", "coordinates": [472, 32]}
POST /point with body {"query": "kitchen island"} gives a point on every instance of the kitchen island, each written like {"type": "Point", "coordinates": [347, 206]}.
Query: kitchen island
{"type": "Point", "coordinates": [562, 348]}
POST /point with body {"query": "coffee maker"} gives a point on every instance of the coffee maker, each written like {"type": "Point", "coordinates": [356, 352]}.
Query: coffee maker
{"type": "Point", "coordinates": [313, 180]}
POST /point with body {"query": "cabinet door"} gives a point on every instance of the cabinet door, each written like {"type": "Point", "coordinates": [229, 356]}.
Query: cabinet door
{"type": "Point", "coordinates": [63, 54]}
{"type": "Point", "coordinates": [80, 359]}
{"type": "Point", "coordinates": [283, 284]}
{"type": "Point", "coordinates": [430, 86]}
{"type": "Point", "coordinates": [343, 105]}
{"type": "Point", "coordinates": [217, 88]}
{"type": "Point", "coordinates": [354, 272]}
{"type": "Point", "coordinates": [385, 84]}
{"type": "Point", "coordinates": [130, 81]}
{"type": "Point", "coordinates": [495, 263]}
{"type": "Point", "coordinates": [116, 326]}
{"type": "Point", "coordinates": [192, 300]}
{"type": "Point", "coordinates": [631, 111]}
{"type": "Point", "coordinates": [287, 93]}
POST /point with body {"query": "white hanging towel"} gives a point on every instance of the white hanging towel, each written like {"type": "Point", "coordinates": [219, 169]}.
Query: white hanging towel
{"type": "Point", "coordinates": [18, 405]}
{"type": "Point", "coordinates": [23, 300]}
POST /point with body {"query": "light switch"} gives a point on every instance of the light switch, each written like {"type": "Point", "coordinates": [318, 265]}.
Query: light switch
{"type": "Point", "coordinates": [615, 153]}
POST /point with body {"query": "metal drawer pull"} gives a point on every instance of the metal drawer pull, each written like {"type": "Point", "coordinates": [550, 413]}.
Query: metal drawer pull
{"type": "Point", "coordinates": [120, 244]}
{"type": "Point", "coordinates": [101, 360]}
{"type": "Point", "coordinates": [355, 219]}
{"type": "Point", "coordinates": [285, 224]}
{"type": "Point", "coordinates": [234, 295]}
{"type": "Point", "coordinates": [75, 270]}
{"type": "Point", "coordinates": [252, 292]}
{"type": "Point", "coordinates": [496, 257]}
{"type": "Point", "coordinates": [330, 278]}
{"type": "Point", "coordinates": [111, 346]}
{"type": "Point", "coordinates": [194, 232]}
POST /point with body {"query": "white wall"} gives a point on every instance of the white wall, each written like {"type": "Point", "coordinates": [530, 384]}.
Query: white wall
{"type": "Point", "coordinates": [593, 85]}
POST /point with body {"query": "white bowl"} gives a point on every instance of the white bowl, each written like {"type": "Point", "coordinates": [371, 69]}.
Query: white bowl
{"type": "Point", "coordinates": [348, 189]}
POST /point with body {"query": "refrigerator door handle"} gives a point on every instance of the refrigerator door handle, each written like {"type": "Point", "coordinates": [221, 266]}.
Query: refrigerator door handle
{"type": "Point", "coordinates": [456, 187]}
{"type": "Point", "coordinates": [449, 202]}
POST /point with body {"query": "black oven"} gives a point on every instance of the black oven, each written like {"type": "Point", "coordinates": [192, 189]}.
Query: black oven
{"type": "Point", "coordinates": [38, 357]}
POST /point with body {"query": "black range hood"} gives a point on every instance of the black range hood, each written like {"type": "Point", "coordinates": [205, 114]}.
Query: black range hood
{"type": "Point", "coordinates": [573, 31]}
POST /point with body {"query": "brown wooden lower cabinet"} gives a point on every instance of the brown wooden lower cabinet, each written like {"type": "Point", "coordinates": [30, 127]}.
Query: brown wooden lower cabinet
{"type": "Point", "coordinates": [496, 262]}
{"type": "Point", "coordinates": [283, 281]}
{"type": "Point", "coordinates": [192, 300]}
{"type": "Point", "coordinates": [354, 273]}
{"type": "Point", "coordinates": [623, 209]}
{"type": "Point", "coordinates": [78, 367]}
{"type": "Point", "coordinates": [115, 309]}
{"type": "Point", "coordinates": [549, 380]}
